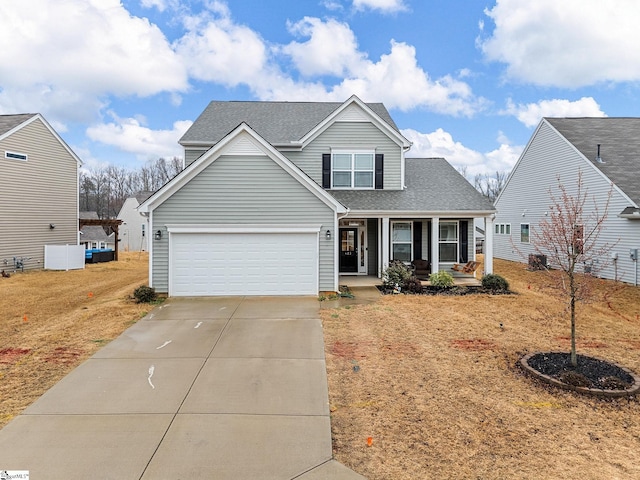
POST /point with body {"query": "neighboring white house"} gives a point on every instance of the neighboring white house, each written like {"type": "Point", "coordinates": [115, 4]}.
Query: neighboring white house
{"type": "Point", "coordinates": [607, 152]}
{"type": "Point", "coordinates": [134, 231]}
{"type": "Point", "coordinates": [38, 191]}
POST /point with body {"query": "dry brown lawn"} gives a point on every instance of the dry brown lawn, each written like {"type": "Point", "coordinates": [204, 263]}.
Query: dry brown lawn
{"type": "Point", "coordinates": [50, 321]}
{"type": "Point", "coordinates": [433, 382]}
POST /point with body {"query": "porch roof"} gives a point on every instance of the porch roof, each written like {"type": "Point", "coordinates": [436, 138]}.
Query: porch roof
{"type": "Point", "coordinates": [432, 186]}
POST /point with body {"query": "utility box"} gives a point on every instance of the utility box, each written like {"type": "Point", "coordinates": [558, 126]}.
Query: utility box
{"type": "Point", "coordinates": [633, 253]}
{"type": "Point", "coordinates": [537, 262]}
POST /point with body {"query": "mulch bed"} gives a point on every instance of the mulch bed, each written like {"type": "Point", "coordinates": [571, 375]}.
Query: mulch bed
{"type": "Point", "coordinates": [590, 372]}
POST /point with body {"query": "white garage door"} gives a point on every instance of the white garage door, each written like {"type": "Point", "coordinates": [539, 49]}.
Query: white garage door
{"type": "Point", "coordinates": [205, 264]}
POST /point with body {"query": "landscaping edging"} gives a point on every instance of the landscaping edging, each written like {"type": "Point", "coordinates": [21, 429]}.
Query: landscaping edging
{"type": "Point", "coordinates": [632, 390]}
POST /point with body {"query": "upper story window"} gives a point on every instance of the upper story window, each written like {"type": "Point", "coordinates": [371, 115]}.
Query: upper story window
{"type": "Point", "coordinates": [352, 169]}
{"type": "Point", "coordinates": [15, 156]}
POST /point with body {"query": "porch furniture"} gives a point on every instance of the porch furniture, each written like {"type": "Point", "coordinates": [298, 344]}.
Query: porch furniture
{"type": "Point", "coordinates": [421, 268]}
{"type": "Point", "coordinates": [469, 267]}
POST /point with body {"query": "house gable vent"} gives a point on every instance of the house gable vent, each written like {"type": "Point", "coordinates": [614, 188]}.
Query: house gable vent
{"type": "Point", "coordinates": [15, 156]}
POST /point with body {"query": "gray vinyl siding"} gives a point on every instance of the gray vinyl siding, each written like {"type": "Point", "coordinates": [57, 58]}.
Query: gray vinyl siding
{"type": "Point", "coordinates": [350, 135]}
{"type": "Point", "coordinates": [191, 154]}
{"type": "Point", "coordinates": [34, 194]}
{"type": "Point", "coordinates": [548, 157]}
{"type": "Point", "coordinates": [243, 190]}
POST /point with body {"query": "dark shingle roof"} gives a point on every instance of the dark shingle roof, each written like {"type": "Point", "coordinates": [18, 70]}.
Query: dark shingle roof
{"type": "Point", "coordinates": [8, 122]}
{"type": "Point", "coordinates": [433, 185]}
{"type": "Point", "coordinates": [619, 140]}
{"type": "Point", "coordinates": [277, 122]}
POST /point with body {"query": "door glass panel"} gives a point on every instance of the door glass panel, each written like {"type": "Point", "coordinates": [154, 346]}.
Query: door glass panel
{"type": "Point", "coordinates": [348, 241]}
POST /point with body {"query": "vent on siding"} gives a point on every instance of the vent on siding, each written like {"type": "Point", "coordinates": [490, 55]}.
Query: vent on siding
{"type": "Point", "coordinates": [15, 156]}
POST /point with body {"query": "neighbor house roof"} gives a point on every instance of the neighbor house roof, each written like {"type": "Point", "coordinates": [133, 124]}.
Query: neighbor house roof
{"type": "Point", "coordinates": [9, 122]}
{"type": "Point", "coordinates": [433, 186]}
{"type": "Point", "coordinates": [619, 140]}
{"type": "Point", "coordinates": [279, 123]}
{"type": "Point", "coordinates": [93, 233]}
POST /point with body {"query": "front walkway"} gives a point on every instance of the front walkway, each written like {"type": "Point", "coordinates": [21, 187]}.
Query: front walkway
{"type": "Point", "coordinates": [215, 388]}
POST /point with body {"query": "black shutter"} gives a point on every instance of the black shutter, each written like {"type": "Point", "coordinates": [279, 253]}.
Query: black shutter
{"type": "Point", "coordinates": [379, 172]}
{"type": "Point", "coordinates": [464, 241]}
{"type": "Point", "coordinates": [326, 170]}
{"type": "Point", "coordinates": [417, 240]}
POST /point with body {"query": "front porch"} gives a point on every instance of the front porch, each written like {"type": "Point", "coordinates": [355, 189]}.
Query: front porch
{"type": "Point", "coordinates": [366, 247]}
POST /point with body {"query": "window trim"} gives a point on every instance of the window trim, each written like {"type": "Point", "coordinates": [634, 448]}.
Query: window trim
{"type": "Point", "coordinates": [410, 242]}
{"type": "Point", "coordinates": [352, 171]}
{"type": "Point", "coordinates": [528, 225]}
{"type": "Point", "coordinates": [456, 242]}
{"type": "Point", "coordinates": [16, 156]}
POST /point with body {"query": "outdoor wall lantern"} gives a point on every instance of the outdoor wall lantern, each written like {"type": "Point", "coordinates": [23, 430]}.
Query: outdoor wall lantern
{"type": "Point", "coordinates": [328, 235]}
{"type": "Point", "coordinates": [158, 235]}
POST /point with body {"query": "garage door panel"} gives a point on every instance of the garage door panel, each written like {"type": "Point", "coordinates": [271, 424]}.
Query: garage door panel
{"type": "Point", "coordinates": [243, 264]}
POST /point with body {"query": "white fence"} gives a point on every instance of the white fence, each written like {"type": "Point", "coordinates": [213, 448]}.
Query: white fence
{"type": "Point", "coordinates": [64, 257]}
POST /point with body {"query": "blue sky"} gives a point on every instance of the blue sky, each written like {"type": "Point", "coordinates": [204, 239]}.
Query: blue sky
{"type": "Point", "coordinates": [467, 80]}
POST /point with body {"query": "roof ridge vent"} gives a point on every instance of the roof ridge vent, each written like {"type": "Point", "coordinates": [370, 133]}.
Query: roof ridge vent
{"type": "Point", "coordinates": [598, 157]}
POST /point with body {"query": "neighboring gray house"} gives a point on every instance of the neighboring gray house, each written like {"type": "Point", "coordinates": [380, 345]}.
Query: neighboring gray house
{"type": "Point", "coordinates": [134, 231]}
{"type": "Point", "coordinates": [560, 148]}
{"type": "Point", "coordinates": [38, 190]}
{"type": "Point", "coordinates": [284, 197]}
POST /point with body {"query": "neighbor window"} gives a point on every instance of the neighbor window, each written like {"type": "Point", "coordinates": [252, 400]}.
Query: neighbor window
{"type": "Point", "coordinates": [15, 156]}
{"type": "Point", "coordinates": [503, 228]}
{"type": "Point", "coordinates": [524, 232]}
{"type": "Point", "coordinates": [401, 241]}
{"type": "Point", "coordinates": [448, 242]}
{"type": "Point", "coordinates": [352, 169]}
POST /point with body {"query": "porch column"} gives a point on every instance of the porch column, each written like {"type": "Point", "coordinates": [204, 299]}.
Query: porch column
{"type": "Point", "coordinates": [488, 245]}
{"type": "Point", "coordinates": [385, 244]}
{"type": "Point", "coordinates": [435, 241]}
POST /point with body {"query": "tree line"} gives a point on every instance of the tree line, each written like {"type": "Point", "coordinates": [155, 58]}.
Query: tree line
{"type": "Point", "coordinates": [104, 189]}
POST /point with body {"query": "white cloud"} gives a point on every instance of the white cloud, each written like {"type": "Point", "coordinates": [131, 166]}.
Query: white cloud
{"type": "Point", "coordinates": [396, 79]}
{"type": "Point", "coordinates": [133, 136]}
{"type": "Point", "coordinates": [570, 43]}
{"type": "Point", "coordinates": [441, 144]}
{"type": "Point", "coordinates": [530, 114]}
{"type": "Point", "coordinates": [332, 48]}
{"type": "Point", "coordinates": [77, 51]}
{"type": "Point", "coordinates": [215, 49]}
{"type": "Point", "coordinates": [386, 6]}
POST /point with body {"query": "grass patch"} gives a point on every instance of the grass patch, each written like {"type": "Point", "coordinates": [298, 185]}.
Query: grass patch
{"type": "Point", "coordinates": [439, 392]}
{"type": "Point", "coordinates": [51, 321]}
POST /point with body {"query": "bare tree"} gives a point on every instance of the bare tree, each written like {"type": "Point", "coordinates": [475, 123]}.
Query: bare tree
{"type": "Point", "coordinates": [490, 185]}
{"type": "Point", "coordinates": [570, 239]}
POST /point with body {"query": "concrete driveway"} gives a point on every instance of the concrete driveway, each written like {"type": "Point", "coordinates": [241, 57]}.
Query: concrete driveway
{"type": "Point", "coordinates": [201, 388]}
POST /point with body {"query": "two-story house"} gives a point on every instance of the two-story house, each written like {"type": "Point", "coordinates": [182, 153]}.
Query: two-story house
{"type": "Point", "coordinates": [281, 198]}
{"type": "Point", "coordinates": [38, 191]}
